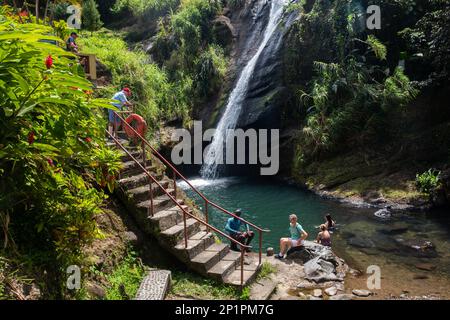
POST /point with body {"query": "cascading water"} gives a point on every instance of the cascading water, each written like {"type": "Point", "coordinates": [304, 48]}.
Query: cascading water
{"type": "Point", "coordinates": [214, 154]}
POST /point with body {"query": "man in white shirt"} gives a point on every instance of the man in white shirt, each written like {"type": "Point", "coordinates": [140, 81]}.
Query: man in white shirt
{"type": "Point", "coordinates": [122, 100]}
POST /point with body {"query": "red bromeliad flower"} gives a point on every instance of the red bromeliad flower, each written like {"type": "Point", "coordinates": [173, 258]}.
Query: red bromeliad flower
{"type": "Point", "coordinates": [49, 62]}
{"type": "Point", "coordinates": [31, 137]}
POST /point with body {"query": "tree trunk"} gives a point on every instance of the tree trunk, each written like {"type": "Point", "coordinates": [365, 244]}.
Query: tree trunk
{"type": "Point", "coordinates": [46, 10]}
{"type": "Point", "coordinates": [37, 11]}
{"type": "Point", "coordinates": [52, 13]}
{"type": "Point", "coordinates": [17, 11]}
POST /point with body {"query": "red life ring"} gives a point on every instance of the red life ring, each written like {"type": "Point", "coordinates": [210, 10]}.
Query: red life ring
{"type": "Point", "coordinates": [137, 123]}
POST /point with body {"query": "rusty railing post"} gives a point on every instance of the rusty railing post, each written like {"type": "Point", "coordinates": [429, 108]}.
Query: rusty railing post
{"type": "Point", "coordinates": [260, 246]}
{"type": "Point", "coordinates": [115, 125]}
{"type": "Point", "coordinates": [205, 211]}
{"type": "Point", "coordinates": [185, 230]}
{"type": "Point", "coordinates": [242, 267]}
{"type": "Point", "coordinates": [144, 160]}
{"type": "Point", "coordinates": [175, 183]}
{"type": "Point", "coordinates": [150, 208]}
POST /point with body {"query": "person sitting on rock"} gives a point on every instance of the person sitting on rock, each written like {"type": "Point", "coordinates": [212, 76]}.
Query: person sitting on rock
{"type": "Point", "coordinates": [298, 236]}
{"type": "Point", "coordinates": [324, 237]}
{"type": "Point", "coordinates": [329, 223]}
{"type": "Point", "coordinates": [233, 228]}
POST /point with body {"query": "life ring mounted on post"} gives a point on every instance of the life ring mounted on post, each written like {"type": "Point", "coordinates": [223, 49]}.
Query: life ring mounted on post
{"type": "Point", "coordinates": [138, 124]}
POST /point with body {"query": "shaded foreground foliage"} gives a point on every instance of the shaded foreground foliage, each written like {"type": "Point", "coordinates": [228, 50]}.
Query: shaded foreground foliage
{"type": "Point", "coordinates": [53, 158]}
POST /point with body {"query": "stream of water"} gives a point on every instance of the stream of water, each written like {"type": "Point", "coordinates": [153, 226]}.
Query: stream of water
{"type": "Point", "coordinates": [214, 154]}
{"type": "Point", "coordinates": [362, 239]}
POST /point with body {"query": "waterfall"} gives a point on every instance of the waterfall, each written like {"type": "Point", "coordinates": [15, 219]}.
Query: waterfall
{"type": "Point", "coordinates": [215, 152]}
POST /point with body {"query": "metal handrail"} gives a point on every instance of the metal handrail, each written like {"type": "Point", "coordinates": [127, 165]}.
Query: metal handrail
{"type": "Point", "coordinates": [207, 201]}
{"type": "Point", "coordinates": [187, 181]}
{"type": "Point", "coordinates": [185, 212]}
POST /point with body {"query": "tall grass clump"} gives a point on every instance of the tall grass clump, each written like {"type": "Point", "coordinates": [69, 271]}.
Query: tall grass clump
{"type": "Point", "coordinates": [154, 96]}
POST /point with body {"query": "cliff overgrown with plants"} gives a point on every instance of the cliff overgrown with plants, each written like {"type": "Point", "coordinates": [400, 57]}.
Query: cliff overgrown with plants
{"type": "Point", "coordinates": [372, 101]}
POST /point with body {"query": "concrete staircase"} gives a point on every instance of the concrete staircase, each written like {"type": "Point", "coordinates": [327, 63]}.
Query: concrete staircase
{"type": "Point", "coordinates": [204, 254]}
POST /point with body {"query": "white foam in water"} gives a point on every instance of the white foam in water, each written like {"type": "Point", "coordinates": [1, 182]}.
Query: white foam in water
{"type": "Point", "coordinates": [200, 182]}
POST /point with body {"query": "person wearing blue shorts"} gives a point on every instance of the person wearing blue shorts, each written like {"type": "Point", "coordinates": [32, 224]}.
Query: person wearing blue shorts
{"type": "Point", "coordinates": [122, 100]}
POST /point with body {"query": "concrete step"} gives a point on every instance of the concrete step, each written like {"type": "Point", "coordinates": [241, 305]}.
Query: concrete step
{"type": "Point", "coordinates": [196, 245]}
{"type": "Point", "coordinates": [165, 219]}
{"type": "Point", "coordinates": [131, 167]}
{"type": "Point", "coordinates": [131, 182]}
{"type": "Point", "coordinates": [155, 285]}
{"type": "Point", "coordinates": [234, 278]}
{"type": "Point", "coordinates": [225, 266]}
{"type": "Point", "coordinates": [142, 193]}
{"type": "Point", "coordinates": [251, 269]}
{"type": "Point", "coordinates": [160, 203]}
{"type": "Point", "coordinates": [205, 260]}
{"type": "Point", "coordinates": [222, 248]}
{"type": "Point", "coordinates": [175, 234]}
{"type": "Point", "coordinates": [262, 289]}
{"type": "Point", "coordinates": [112, 144]}
{"type": "Point", "coordinates": [158, 175]}
{"type": "Point", "coordinates": [135, 153]}
{"type": "Point", "coordinates": [137, 180]}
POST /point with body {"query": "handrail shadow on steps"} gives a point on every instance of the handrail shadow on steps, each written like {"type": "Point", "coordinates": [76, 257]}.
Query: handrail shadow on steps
{"type": "Point", "coordinates": [177, 173]}
{"type": "Point", "coordinates": [185, 212]}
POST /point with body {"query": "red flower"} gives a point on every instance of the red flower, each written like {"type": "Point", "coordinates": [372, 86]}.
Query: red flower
{"type": "Point", "coordinates": [50, 162]}
{"type": "Point", "coordinates": [88, 139]}
{"type": "Point", "coordinates": [31, 137]}
{"type": "Point", "coordinates": [49, 62]}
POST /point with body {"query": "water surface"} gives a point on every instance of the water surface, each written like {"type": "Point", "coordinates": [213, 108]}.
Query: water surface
{"type": "Point", "coordinates": [362, 239]}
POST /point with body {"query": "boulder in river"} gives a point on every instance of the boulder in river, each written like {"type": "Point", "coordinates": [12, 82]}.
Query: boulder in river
{"type": "Point", "coordinates": [319, 261]}
{"type": "Point", "coordinates": [425, 266]}
{"type": "Point", "coordinates": [317, 293]}
{"type": "Point", "coordinates": [383, 213]}
{"type": "Point", "coordinates": [319, 270]}
{"type": "Point", "coordinates": [417, 247]}
{"type": "Point", "coordinates": [361, 242]}
{"type": "Point", "coordinates": [393, 229]}
{"type": "Point", "coordinates": [311, 250]}
{"type": "Point", "coordinates": [344, 296]}
{"type": "Point", "coordinates": [362, 292]}
{"type": "Point", "coordinates": [331, 291]}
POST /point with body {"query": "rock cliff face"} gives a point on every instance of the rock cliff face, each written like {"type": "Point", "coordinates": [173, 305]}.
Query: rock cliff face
{"type": "Point", "coordinates": [261, 107]}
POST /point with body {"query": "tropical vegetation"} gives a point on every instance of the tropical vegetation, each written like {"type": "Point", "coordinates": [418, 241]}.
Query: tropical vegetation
{"type": "Point", "coordinates": [53, 158]}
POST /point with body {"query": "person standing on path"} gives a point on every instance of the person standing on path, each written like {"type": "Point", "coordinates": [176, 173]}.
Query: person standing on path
{"type": "Point", "coordinates": [122, 100]}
